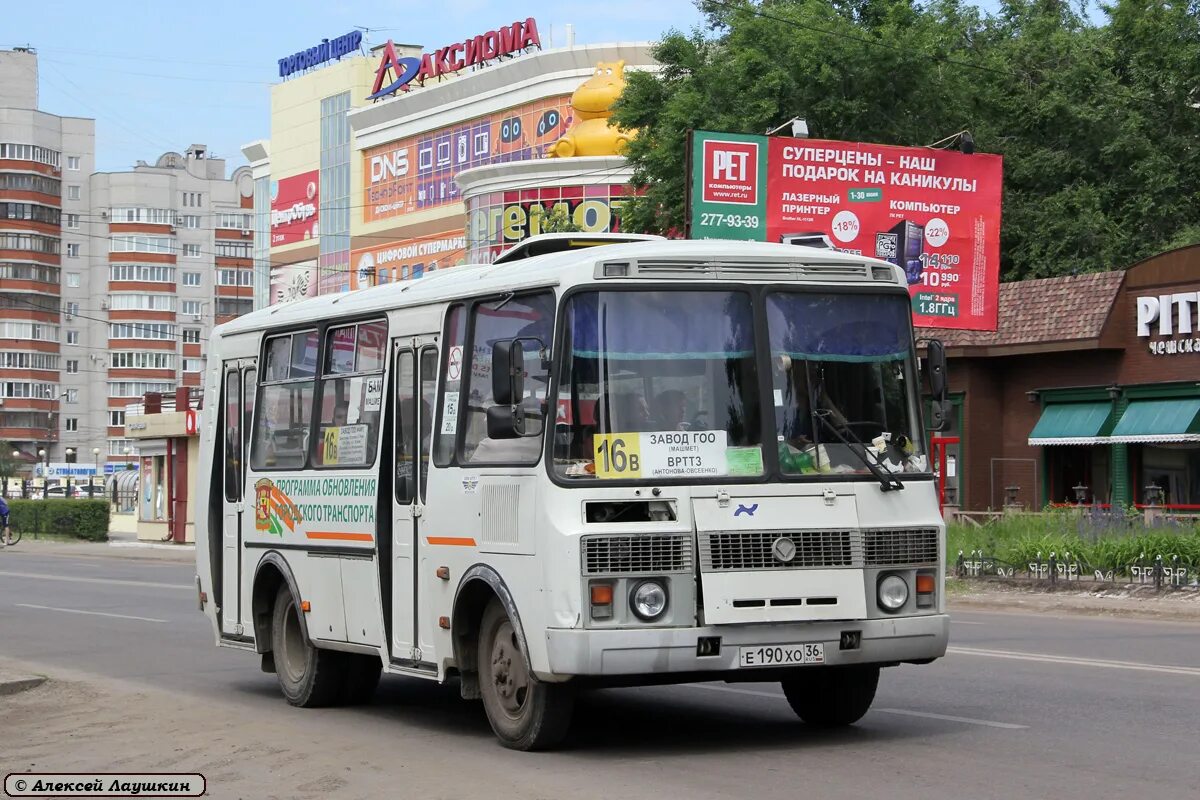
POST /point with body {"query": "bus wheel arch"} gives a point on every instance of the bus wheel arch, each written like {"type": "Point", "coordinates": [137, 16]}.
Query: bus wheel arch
{"type": "Point", "coordinates": [480, 585]}
{"type": "Point", "coordinates": [271, 573]}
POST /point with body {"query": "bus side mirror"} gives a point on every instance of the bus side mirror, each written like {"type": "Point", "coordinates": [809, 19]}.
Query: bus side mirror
{"type": "Point", "coordinates": [508, 372]}
{"type": "Point", "coordinates": [506, 419]}
{"type": "Point", "coordinates": [938, 388]}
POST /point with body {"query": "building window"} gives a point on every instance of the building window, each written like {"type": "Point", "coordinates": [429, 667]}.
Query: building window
{"type": "Point", "coordinates": [191, 336]}
{"type": "Point", "coordinates": [141, 330]}
{"type": "Point", "coordinates": [72, 309]}
{"type": "Point", "coordinates": [72, 337]}
{"type": "Point", "coordinates": [116, 419]}
{"type": "Point", "coordinates": [142, 302]}
{"type": "Point", "coordinates": [72, 250]}
{"type": "Point", "coordinates": [191, 278]}
{"type": "Point", "coordinates": [72, 425]}
{"type": "Point", "coordinates": [31, 183]}
{"type": "Point", "coordinates": [333, 259]}
{"type": "Point", "coordinates": [33, 242]}
{"type": "Point", "coordinates": [233, 221]}
{"type": "Point", "coordinates": [72, 366]}
{"type": "Point", "coordinates": [142, 244]}
{"type": "Point", "coordinates": [153, 273]}
{"type": "Point", "coordinates": [122, 447]}
{"type": "Point", "coordinates": [73, 163]}
{"type": "Point", "coordinates": [138, 388]}
{"type": "Point", "coordinates": [235, 277]}
{"type": "Point", "coordinates": [71, 395]}
{"type": "Point", "coordinates": [191, 251]}
{"type": "Point", "coordinates": [34, 212]}
{"type": "Point", "coordinates": [142, 359]}
{"type": "Point", "coordinates": [191, 307]}
{"type": "Point", "coordinates": [193, 199]}
{"type": "Point", "coordinates": [233, 249]}
{"type": "Point", "coordinates": [193, 365]}
{"type": "Point", "coordinates": [72, 280]}
{"type": "Point", "coordinates": [73, 221]}
{"type": "Point", "coordinates": [73, 192]}
{"type": "Point", "coordinates": [190, 220]}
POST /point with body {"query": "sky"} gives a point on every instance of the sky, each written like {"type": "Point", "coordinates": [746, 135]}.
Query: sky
{"type": "Point", "coordinates": [161, 76]}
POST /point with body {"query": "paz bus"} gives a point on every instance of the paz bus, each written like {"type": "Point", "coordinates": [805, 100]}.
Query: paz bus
{"type": "Point", "coordinates": [596, 462]}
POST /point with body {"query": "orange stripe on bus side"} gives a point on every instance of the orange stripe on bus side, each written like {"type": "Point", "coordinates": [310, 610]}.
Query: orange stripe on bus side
{"type": "Point", "coordinates": [458, 541]}
{"type": "Point", "coordinates": [346, 537]}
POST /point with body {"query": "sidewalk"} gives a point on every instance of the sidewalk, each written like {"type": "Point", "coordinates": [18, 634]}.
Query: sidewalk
{"type": "Point", "coordinates": [1180, 605]}
{"type": "Point", "coordinates": [121, 546]}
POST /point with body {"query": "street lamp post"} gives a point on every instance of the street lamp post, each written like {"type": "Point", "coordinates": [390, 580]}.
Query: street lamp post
{"type": "Point", "coordinates": [45, 459]}
{"type": "Point", "coordinates": [16, 454]}
{"type": "Point", "coordinates": [97, 478]}
{"type": "Point", "coordinates": [70, 455]}
{"type": "Point", "coordinates": [127, 459]}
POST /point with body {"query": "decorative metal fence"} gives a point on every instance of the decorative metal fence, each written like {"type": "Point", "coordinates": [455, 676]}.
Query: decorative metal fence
{"type": "Point", "coordinates": [1160, 571]}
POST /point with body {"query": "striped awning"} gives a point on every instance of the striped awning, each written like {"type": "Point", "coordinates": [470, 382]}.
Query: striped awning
{"type": "Point", "coordinates": [1159, 421]}
{"type": "Point", "coordinates": [1072, 423]}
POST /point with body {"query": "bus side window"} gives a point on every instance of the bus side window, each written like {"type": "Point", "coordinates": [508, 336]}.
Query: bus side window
{"type": "Point", "coordinates": [280, 438]}
{"type": "Point", "coordinates": [531, 319]}
{"type": "Point", "coordinates": [351, 395]}
{"type": "Point", "coordinates": [233, 435]}
{"type": "Point", "coordinates": [429, 362]}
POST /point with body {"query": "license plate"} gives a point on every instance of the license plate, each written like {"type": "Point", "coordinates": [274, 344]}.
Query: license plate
{"type": "Point", "coordinates": [782, 655]}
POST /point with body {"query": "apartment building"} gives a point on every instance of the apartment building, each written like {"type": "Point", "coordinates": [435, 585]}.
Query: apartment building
{"type": "Point", "coordinates": [45, 166]}
{"type": "Point", "coordinates": [115, 280]}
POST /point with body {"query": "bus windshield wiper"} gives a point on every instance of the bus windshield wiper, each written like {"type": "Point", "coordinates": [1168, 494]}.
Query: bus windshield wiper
{"type": "Point", "coordinates": [887, 481]}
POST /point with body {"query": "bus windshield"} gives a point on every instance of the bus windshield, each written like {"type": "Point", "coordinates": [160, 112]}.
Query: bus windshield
{"type": "Point", "coordinates": [843, 383]}
{"type": "Point", "coordinates": [658, 384]}
{"type": "Point", "coordinates": [665, 384]}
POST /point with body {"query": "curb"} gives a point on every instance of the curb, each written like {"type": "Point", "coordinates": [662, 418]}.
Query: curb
{"type": "Point", "coordinates": [180, 548]}
{"type": "Point", "coordinates": [19, 683]}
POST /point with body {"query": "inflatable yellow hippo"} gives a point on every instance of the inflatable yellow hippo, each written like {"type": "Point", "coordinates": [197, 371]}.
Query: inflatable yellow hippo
{"type": "Point", "coordinates": [592, 102]}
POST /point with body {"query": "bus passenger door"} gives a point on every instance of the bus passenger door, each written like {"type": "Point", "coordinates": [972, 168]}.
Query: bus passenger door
{"type": "Point", "coordinates": [237, 406]}
{"type": "Point", "coordinates": [416, 373]}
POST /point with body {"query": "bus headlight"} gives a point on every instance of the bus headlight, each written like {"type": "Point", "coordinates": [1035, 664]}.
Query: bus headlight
{"type": "Point", "coordinates": [893, 593]}
{"type": "Point", "coordinates": [648, 600]}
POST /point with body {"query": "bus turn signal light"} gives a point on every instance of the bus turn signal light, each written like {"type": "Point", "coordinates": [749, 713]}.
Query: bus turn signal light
{"type": "Point", "coordinates": [602, 600]}
{"type": "Point", "coordinates": [925, 584]}
{"type": "Point", "coordinates": [305, 606]}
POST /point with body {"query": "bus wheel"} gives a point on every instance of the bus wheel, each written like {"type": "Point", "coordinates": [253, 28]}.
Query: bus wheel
{"type": "Point", "coordinates": [362, 677]}
{"type": "Point", "coordinates": [309, 677]}
{"type": "Point", "coordinates": [830, 697]}
{"type": "Point", "coordinates": [525, 713]}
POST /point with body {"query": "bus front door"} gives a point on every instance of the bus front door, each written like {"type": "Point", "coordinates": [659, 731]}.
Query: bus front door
{"type": "Point", "coordinates": [416, 376]}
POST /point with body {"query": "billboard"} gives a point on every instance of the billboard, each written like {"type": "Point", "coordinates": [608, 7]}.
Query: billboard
{"type": "Point", "coordinates": [417, 172]}
{"type": "Point", "coordinates": [400, 261]}
{"type": "Point", "coordinates": [295, 202]}
{"type": "Point", "coordinates": [934, 213]}
{"type": "Point", "coordinates": [291, 282]}
{"type": "Point", "coordinates": [499, 220]}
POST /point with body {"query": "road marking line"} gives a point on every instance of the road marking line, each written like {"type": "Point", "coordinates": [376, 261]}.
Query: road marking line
{"type": "Point", "coordinates": [954, 621]}
{"type": "Point", "coordinates": [90, 613]}
{"type": "Point", "coordinates": [110, 581]}
{"type": "Point", "coordinates": [1079, 662]}
{"type": "Point", "coordinates": [904, 712]}
{"type": "Point", "coordinates": [968, 720]}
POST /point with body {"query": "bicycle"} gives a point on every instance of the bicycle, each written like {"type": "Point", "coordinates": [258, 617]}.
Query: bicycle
{"type": "Point", "coordinates": [10, 535]}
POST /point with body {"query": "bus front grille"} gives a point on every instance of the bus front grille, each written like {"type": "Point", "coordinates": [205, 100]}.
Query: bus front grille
{"type": "Point", "coordinates": [751, 550]}
{"type": "Point", "coordinates": [636, 555]}
{"type": "Point", "coordinates": [888, 547]}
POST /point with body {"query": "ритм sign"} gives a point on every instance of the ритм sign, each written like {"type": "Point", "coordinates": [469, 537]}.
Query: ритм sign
{"type": "Point", "coordinates": [1175, 313]}
{"type": "Point", "coordinates": [451, 58]}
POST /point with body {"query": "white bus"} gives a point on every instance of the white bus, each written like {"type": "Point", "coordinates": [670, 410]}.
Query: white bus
{"type": "Point", "coordinates": [643, 462]}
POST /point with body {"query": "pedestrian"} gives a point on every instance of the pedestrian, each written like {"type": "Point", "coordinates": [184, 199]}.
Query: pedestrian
{"type": "Point", "coordinates": [5, 531]}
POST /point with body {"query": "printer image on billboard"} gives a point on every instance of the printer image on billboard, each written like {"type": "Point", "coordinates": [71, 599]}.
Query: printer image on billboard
{"type": "Point", "coordinates": [903, 245]}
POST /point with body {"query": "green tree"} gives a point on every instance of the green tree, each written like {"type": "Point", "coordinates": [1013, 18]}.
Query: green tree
{"type": "Point", "coordinates": [1098, 123]}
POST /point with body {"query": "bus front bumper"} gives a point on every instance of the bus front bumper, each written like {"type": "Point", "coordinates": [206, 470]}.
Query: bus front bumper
{"type": "Point", "coordinates": [649, 651]}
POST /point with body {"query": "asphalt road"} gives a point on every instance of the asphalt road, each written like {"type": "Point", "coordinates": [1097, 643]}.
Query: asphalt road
{"type": "Point", "coordinates": [1023, 706]}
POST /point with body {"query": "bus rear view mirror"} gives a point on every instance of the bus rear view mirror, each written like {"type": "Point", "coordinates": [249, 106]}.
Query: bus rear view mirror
{"type": "Point", "coordinates": [938, 389]}
{"type": "Point", "coordinates": [508, 372]}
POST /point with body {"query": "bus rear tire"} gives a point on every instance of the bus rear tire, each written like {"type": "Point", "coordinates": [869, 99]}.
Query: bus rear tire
{"type": "Point", "coordinates": [309, 677]}
{"type": "Point", "coordinates": [525, 713]}
{"type": "Point", "coordinates": [362, 678]}
{"type": "Point", "coordinates": [831, 697]}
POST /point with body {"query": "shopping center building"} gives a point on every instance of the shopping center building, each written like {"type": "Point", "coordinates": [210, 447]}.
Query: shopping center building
{"type": "Point", "coordinates": [1089, 390]}
{"type": "Point", "coordinates": [390, 164]}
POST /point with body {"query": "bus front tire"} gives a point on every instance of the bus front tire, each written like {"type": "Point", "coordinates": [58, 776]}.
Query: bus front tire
{"type": "Point", "coordinates": [831, 697]}
{"type": "Point", "coordinates": [308, 676]}
{"type": "Point", "coordinates": [525, 713]}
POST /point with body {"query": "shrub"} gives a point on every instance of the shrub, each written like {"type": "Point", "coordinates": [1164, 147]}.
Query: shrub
{"type": "Point", "coordinates": [78, 517]}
